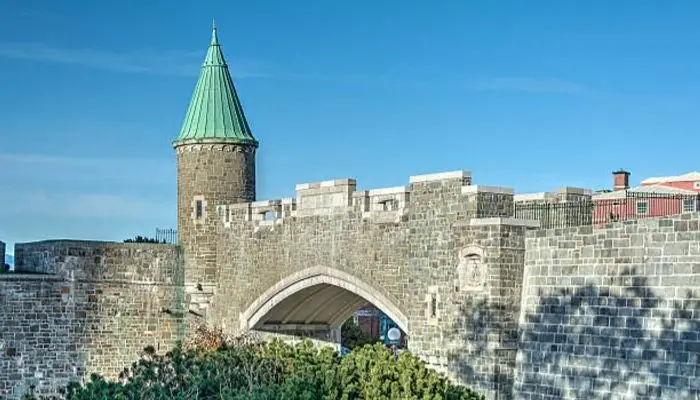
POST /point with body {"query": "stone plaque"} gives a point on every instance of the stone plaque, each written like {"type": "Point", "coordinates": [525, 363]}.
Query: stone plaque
{"type": "Point", "coordinates": [471, 271]}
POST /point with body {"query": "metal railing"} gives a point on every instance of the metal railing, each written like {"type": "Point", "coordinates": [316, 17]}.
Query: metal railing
{"type": "Point", "coordinates": [622, 206]}
{"type": "Point", "coordinates": [168, 236]}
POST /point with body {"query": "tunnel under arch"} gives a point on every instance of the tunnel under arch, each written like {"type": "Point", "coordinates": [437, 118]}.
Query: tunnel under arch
{"type": "Point", "coordinates": [318, 298]}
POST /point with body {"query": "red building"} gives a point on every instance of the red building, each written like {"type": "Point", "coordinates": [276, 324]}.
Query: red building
{"type": "Point", "coordinates": [367, 319]}
{"type": "Point", "coordinates": [689, 181]}
{"type": "Point", "coordinates": [655, 197]}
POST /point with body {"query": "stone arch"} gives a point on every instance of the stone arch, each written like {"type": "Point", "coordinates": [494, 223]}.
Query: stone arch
{"type": "Point", "coordinates": [472, 250]}
{"type": "Point", "coordinates": [312, 277]}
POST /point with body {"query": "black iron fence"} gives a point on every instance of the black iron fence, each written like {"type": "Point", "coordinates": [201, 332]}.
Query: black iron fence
{"type": "Point", "coordinates": [609, 207]}
{"type": "Point", "coordinates": [168, 236]}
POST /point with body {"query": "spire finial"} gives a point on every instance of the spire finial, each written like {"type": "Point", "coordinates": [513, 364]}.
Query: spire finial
{"type": "Point", "coordinates": [214, 37]}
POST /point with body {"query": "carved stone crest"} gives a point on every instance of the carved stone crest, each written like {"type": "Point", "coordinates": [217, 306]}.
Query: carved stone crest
{"type": "Point", "coordinates": [471, 272]}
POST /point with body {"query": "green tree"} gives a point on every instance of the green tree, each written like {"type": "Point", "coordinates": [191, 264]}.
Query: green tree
{"type": "Point", "coordinates": [352, 336]}
{"type": "Point", "coordinates": [144, 239]}
{"type": "Point", "coordinates": [373, 372]}
{"type": "Point", "coordinates": [230, 369]}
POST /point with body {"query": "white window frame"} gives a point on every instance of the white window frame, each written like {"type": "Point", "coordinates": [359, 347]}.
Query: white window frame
{"type": "Point", "coordinates": [645, 203]}
{"type": "Point", "coordinates": [691, 203]}
{"type": "Point", "coordinates": [696, 184]}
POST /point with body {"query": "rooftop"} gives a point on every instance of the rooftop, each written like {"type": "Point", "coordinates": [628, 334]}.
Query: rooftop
{"type": "Point", "coordinates": [647, 189]}
{"type": "Point", "coordinates": [689, 177]}
{"type": "Point", "coordinates": [215, 113]}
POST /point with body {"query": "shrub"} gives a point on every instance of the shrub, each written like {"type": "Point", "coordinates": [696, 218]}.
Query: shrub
{"type": "Point", "coordinates": [234, 369]}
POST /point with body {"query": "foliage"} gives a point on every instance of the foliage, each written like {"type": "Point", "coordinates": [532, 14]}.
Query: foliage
{"type": "Point", "coordinates": [352, 336]}
{"type": "Point", "coordinates": [373, 372]}
{"type": "Point", "coordinates": [237, 369]}
{"type": "Point", "coordinates": [6, 268]}
{"type": "Point", "coordinates": [144, 239]}
{"type": "Point", "coordinates": [205, 338]}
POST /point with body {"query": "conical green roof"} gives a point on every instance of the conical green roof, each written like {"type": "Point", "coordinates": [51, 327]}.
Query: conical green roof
{"type": "Point", "coordinates": [215, 112]}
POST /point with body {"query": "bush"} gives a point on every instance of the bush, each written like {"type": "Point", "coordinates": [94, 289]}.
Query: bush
{"type": "Point", "coordinates": [353, 336]}
{"type": "Point", "coordinates": [249, 369]}
{"type": "Point", "coordinates": [144, 239]}
{"type": "Point", "coordinates": [373, 372]}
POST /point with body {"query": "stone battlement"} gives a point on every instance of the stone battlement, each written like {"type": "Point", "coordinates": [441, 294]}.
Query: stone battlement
{"type": "Point", "coordinates": [389, 204]}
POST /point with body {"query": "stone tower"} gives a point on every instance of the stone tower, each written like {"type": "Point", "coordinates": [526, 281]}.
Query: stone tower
{"type": "Point", "coordinates": [215, 163]}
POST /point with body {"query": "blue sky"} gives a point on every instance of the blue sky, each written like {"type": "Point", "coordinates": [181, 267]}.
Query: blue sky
{"type": "Point", "coordinates": [532, 94]}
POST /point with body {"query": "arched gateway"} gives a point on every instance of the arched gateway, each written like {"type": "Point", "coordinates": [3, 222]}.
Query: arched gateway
{"type": "Point", "coordinates": [306, 263]}
{"type": "Point", "coordinates": [319, 297]}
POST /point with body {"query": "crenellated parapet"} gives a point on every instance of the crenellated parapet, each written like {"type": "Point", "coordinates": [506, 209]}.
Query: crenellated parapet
{"type": "Point", "coordinates": [324, 198]}
{"type": "Point", "coordinates": [383, 205]}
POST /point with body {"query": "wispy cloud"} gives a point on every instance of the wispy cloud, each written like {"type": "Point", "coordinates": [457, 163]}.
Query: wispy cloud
{"type": "Point", "coordinates": [63, 197]}
{"type": "Point", "coordinates": [49, 186]}
{"type": "Point", "coordinates": [43, 203]}
{"type": "Point", "coordinates": [173, 62]}
{"type": "Point", "coordinates": [43, 168]}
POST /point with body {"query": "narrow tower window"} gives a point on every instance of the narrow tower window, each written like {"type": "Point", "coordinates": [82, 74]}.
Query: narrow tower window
{"type": "Point", "coordinates": [198, 209]}
{"type": "Point", "coordinates": [433, 306]}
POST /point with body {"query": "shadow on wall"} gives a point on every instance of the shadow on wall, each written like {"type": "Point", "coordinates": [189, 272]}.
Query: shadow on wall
{"type": "Point", "coordinates": [483, 356]}
{"type": "Point", "coordinates": [619, 341]}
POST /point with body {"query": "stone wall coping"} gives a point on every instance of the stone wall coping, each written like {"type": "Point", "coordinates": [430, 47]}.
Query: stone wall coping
{"type": "Point", "coordinates": [534, 196]}
{"type": "Point", "coordinates": [389, 190]}
{"type": "Point", "coordinates": [528, 223]}
{"type": "Point", "coordinates": [575, 190]}
{"type": "Point", "coordinates": [237, 206]}
{"type": "Point", "coordinates": [440, 176]}
{"type": "Point", "coordinates": [552, 195]}
{"type": "Point", "coordinates": [19, 276]}
{"type": "Point", "coordinates": [68, 241]}
{"type": "Point", "coordinates": [289, 200]}
{"type": "Point", "coordinates": [472, 189]}
{"type": "Point", "coordinates": [92, 243]}
{"type": "Point", "coordinates": [330, 183]}
{"type": "Point", "coordinates": [266, 203]}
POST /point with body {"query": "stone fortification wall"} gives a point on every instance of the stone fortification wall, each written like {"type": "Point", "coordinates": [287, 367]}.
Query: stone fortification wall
{"type": "Point", "coordinates": [407, 245]}
{"type": "Point", "coordinates": [76, 307]}
{"type": "Point", "coordinates": [35, 335]}
{"type": "Point", "coordinates": [612, 312]}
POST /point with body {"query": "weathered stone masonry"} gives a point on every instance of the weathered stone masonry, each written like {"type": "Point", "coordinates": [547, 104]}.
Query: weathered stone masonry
{"type": "Point", "coordinates": [594, 313]}
{"type": "Point", "coordinates": [209, 174]}
{"type": "Point", "coordinates": [399, 248]}
{"type": "Point", "coordinates": [75, 308]}
{"type": "Point", "coordinates": [405, 249]}
{"type": "Point", "coordinates": [612, 312]}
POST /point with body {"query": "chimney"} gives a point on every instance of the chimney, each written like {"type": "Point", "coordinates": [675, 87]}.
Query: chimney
{"type": "Point", "coordinates": [621, 180]}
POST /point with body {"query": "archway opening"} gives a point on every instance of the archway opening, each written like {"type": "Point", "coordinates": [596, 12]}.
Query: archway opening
{"type": "Point", "coordinates": [317, 302]}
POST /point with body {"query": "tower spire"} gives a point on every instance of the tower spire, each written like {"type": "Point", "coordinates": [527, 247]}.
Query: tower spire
{"type": "Point", "coordinates": [215, 112]}
{"type": "Point", "coordinates": [214, 36]}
